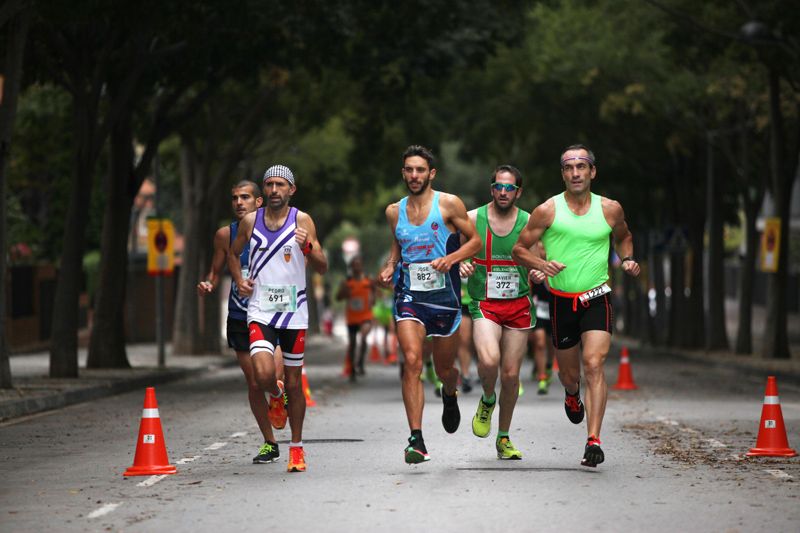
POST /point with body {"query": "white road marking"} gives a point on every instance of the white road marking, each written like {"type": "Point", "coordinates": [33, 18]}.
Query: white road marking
{"type": "Point", "coordinates": [152, 480]}
{"type": "Point", "coordinates": [104, 510]}
{"type": "Point", "coordinates": [216, 446]}
{"type": "Point", "coordinates": [779, 474]}
{"type": "Point", "coordinates": [187, 460]}
{"type": "Point", "coordinates": [238, 434]}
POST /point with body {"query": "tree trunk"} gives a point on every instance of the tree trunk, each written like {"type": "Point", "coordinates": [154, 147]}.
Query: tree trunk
{"type": "Point", "coordinates": [211, 335]}
{"type": "Point", "coordinates": [678, 335]}
{"type": "Point", "coordinates": [66, 308]}
{"type": "Point", "coordinates": [17, 36]}
{"type": "Point", "coordinates": [695, 316]}
{"type": "Point", "coordinates": [752, 197]}
{"type": "Point", "coordinates": [776, 338]}
{"type": "Point", "coordinates": [659, 321]}
{"type": "Point", "coordinates": [186, 328]}
{"type": "Point", "coordinates": [107, 341]}
{"type": "Point", "coordinates": [717, 336]}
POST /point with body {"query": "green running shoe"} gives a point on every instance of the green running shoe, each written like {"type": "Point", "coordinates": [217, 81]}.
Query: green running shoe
{"type": "Point", "coordinates": [482, 421]}
{"type": "Point", "coordinates": [506, 450]}
{"type": "Point", "coordinates": [521, 389]}
{"type": "Point", "coordinates": [544, 386]}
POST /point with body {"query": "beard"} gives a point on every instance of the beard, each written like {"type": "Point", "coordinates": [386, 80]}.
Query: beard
{"type": "Point", "coordinates": [425, 184]}
{"type": "Point", "coordinates": [503, 210]}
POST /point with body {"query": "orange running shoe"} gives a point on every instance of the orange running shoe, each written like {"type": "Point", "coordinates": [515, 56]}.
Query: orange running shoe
{"type": "Point", "coordinates": [297, 460]}
{"type": "Point", "coordinates": [277, 413]}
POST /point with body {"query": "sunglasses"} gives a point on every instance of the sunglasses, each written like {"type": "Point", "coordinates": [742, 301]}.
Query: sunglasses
{"type": "Point", "coordinates": [507, 187]}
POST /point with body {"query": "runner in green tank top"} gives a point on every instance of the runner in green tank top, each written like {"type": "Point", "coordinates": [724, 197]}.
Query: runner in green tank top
{"type": "Point", "coordinates": [574, 228]}
{"type": "Point", "coordinates": [500, 306]}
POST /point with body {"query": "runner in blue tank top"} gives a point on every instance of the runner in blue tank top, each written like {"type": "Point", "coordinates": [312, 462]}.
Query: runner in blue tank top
{"type": "Point", "coordinates": [426, 226]}
{"type": "Point", "coordinates": [245, 198]}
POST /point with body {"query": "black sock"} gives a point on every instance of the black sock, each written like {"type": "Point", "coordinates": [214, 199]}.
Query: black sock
{"type": "Point", "coordinates": [416, 433]}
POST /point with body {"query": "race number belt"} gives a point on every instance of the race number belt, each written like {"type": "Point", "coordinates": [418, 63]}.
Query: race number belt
{"type": "Point", "coordinates": [278, 298]}
{"type": "Point", "coordinates": [583, 297]}
{"type": "Point", "coordinates": [424, 277]}
{"type": "Point", "coordinates": [502, 284]}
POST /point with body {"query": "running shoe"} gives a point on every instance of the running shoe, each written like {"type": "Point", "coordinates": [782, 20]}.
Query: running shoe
{"type": "Point", "coordinates": [544, 386]}
{"type": "Point", "coordinates": [521, 390]}
{"type": "Point", "coordinates": [277, 413]}
{"type": "Point", "coordinates": [268, 453]}
{"type": "Point", "coordinates": [593, 454]}
{"type": "Point", "coordinates": [297, 459]}
{"type": "Point", "coordinates": [451, 416]}
{"type": "Point", "coordinates": [574, 407]}
{"type": "Point", "coordinates": [482, 421]}
{"type": "Point", "coordinates": [507, 450]}
{"type": "Point", "coordinates": [416, 451]}
{"type": "Point", "coordinates": [430, 373]}
{"type": "Point", "coordinates": [437, 388]}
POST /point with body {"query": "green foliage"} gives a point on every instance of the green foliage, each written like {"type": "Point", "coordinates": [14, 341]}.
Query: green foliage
{"type": "Point", "coordinates": [40, 168]}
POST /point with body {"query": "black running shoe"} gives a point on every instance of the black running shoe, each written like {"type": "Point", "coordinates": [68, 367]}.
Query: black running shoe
{"type": "Point", "coordinates": [451, 416]}
{"type": "Point", "coordinates": [593, 455]}
{"type": "Point", "coordinates": [267, 453]}
{"type": "Point", "coordinates": [416, 451]}
{"type": "Point", "coordinates": [574, 407]}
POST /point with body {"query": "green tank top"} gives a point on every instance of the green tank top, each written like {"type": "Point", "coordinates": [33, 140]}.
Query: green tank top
{"type": "Point", "coordinates": [579, 242]}
{"type": "Point", "coordinates": [497, 275]}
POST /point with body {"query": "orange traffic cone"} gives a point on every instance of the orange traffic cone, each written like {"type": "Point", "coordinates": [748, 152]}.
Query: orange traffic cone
{"type": "Point", "coordinates": [307, 390]}
{"type": "Point", "coordinates": [392, 357]}
{"type": "Point", "coordinates": [772, 441]}
{"type": "Point", "coordinates": [625, 376]}
{"type": "Point", "coordinates": [374, 354]}
{"type": "Point", "coordinates": [348, 366]}
{"type": "Point", "coordinates": [151, 450]}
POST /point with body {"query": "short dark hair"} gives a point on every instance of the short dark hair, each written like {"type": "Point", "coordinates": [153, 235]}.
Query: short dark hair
{"type": "Point", "coordinates": [511, 170]}
{"type": "Point", "coordinates": [580, 147]}
{"type": "Point", "coordinates": [421, 151]}
{"type": "Point", "coordinates": [247, 183]}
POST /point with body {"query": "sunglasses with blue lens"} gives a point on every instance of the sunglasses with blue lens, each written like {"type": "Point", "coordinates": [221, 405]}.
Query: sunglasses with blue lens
{"type": "Point", "coordinates": [507, 187]}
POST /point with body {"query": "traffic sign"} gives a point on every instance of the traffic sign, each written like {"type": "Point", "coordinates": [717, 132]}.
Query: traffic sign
{"type": "Point", "coordinates": [160, 247]}
{"type": "Point", "coordinates": [770, 245]}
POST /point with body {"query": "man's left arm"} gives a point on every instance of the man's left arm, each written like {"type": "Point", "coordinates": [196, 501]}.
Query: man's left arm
{"type": "Point", "coordinates": [455, 213]}
{"type": "Point", "coordinates": [623, 239]}
{"type": "Point", "coordinates": [306, 237]}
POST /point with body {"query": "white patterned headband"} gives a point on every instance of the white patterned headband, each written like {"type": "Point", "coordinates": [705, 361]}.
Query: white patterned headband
{"type": "Point", "coordinates": [279, 171]}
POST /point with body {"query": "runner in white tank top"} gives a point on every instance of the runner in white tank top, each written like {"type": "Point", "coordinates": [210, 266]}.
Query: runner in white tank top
{"type": "Point", "coordinates": [281, 240]}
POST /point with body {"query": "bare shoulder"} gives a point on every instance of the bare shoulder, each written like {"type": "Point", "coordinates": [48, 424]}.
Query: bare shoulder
{"type": "Point", "coordinates": [223, 233]}
{"type": "Point", "coordinates": [450, 204]}
{"type": "Point", "coordinates": [392, 210]}
{"type": "Point", "coordinates": [612, 209]}
{"type": "Point", "coordinates": [473, 214]}
{"type": "Point", "coordinates": [544, 213]}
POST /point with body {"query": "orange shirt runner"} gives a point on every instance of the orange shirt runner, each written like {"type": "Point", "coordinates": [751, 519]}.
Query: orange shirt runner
{"type": "Point", "coordinates": [359, 303]}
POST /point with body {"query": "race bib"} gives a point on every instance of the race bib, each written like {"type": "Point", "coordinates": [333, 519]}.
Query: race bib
{"type": "Point", "coordinates": [278, 298]}
{"type": "Point", "coordinates": [502, 285]}
{"type": "Point", "coordinates": [424, 277]}
{"type": "Point", "coordinates": [356, 304]}
{"type": "Point", "coordinates": [594, 293]}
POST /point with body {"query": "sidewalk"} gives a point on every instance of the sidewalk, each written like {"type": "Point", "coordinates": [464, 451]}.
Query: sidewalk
{"type": "Point", "coordinates": [34, 392]}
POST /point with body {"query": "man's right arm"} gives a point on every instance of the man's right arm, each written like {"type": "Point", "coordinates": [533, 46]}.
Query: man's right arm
{"type": "Point", "coordinates": [221, 238]}
{"type": "Point", "coordinates": [387, 273]}
{"type": "Point", "coordinates": [245, 286]}
{"type": "Point", "coordinates": [539, 221]}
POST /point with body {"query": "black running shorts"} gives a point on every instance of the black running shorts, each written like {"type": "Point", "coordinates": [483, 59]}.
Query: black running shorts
{"type": "Point", "coordinates": [568, 325]}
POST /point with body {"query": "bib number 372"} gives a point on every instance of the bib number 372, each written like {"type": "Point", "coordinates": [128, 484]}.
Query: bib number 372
{"type": "Point", "coordinates": [502, 285]}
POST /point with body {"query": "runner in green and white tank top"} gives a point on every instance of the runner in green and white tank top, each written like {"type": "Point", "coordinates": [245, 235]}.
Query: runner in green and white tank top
{"type": "Point", "coordinates": [581, 242]}
{"type": "Point", "coordinates": [574, 228]}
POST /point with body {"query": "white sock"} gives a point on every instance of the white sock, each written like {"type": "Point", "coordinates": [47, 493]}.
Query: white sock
{"type": "Point", "coordinates": [296, 444]}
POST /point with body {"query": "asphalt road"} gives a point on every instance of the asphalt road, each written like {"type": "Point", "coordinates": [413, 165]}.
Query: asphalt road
{"type": "Point", "coordinates": [673, 461]}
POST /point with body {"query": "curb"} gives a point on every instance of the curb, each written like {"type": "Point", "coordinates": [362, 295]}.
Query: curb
{"type": "Point", "coordinates": [57, 399]}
